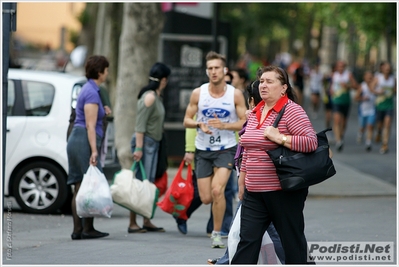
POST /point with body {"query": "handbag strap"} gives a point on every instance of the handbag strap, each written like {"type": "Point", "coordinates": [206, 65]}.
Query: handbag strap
{"type": "Point", "coordinates": [279, 115]}
{"type": "Point", "coordinates": [144, 175]}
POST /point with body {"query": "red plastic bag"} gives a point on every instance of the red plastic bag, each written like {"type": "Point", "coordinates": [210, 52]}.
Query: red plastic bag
{"type": "Point", "coordinates": [179, 195]}
{"type": "Point", "coordinates": [162, 183]}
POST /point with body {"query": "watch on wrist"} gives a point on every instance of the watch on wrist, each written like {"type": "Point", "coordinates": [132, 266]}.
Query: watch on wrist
{"type": "Point", "coordinates": [284, 140]}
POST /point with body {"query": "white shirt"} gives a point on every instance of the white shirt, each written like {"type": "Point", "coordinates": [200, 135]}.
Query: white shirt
{"type": "Point", "coordinates": [316, 81]}
{"type": "Point", "coordinates": [367, 107]}
{"type": "Point", "coordinates": [224, 108]}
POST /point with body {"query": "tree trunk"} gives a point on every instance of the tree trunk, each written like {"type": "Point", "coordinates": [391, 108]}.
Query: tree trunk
{"type": "Point", "coordinates": [108, 31]}
{"type": "Point", "coordinates": [142, 24]}
{"type": "Point", "coordinates": [88, 27]}
{"type": "Point", "coordinates": [116, 15]}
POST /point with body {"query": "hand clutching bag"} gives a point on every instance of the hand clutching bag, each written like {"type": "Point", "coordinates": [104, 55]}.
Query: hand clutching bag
{"type": "Point", "coordinates": [133, 194]}
{"type": "Point", "coordinates": [297, 170]}
{"type": "Point", "coordinates": [178, 197]}
{"type": "Point", "coordinates": [94, 197]}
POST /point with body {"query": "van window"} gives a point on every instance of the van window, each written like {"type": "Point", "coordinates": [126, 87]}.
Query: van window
{"type": "Point", "coordinates": [38, 98]}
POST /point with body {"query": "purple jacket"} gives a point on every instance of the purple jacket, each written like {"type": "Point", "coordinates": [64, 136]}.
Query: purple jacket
{"type": "Point", "coordinates": [240, 149]}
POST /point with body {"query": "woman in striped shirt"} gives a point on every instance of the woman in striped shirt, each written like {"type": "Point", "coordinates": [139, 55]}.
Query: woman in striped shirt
{"type": "Point", "coordinates": [263, 201]}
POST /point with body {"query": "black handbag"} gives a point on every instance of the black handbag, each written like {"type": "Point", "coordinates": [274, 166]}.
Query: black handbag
{"type": "Point", "coordinates": [298, 170]}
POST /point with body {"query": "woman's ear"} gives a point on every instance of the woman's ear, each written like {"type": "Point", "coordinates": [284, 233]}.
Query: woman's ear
{"type": "Point", "coordinates": [164, 82]}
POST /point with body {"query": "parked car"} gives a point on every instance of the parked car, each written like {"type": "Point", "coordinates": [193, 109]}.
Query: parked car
{"type": "Point", "coordinates": [38, 110]}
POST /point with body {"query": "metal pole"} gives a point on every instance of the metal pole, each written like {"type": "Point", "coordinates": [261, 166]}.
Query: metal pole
{"type": "Point", "coordinates": [9, 24]}
{"type": "Point", "coordinates": [215, 19]}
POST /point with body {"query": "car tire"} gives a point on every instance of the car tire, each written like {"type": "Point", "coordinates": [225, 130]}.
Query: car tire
{"type": "Point", "coordinates": [40, 187]}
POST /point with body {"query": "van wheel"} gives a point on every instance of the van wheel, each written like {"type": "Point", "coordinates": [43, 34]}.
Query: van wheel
{"type": "Point", "coordinates": [40, 187]}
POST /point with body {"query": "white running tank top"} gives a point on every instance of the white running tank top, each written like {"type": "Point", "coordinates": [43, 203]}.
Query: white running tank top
{"type": "Point", "coordinates": [339, 78]}
{"type": "Point", "coordinates": [367, 107]}
{"type": "Point", "coordinates": [224, 108]}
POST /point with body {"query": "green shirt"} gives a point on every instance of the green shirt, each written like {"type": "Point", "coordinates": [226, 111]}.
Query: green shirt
{"type": "Point", "coordinates": [385, 101]}
{"type": "Point", "coordinates": [150, 119]}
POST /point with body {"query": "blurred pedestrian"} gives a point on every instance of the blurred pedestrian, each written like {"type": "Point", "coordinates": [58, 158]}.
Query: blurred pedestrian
{"type": "Point", "coordinates": [341, 83]}
{"type": "Point", "coordinates": [84, 142]}
{"type": "Point", "coordinates": [240, 79]}
{"type": "Point", "coordinates": [316, 87]}
{"type": "Point", "coordinates": [385, 91]}
{"type": "Point", "coordinates": [263, 201]}
{"type": "Point", "coordinates": [298, 78]}
{"type": "Point", "coordinates": [366, 112]}
{"type": "Point", "coordinates": [228, 78]}
{"type": "Point", "coordinates": [220, 110]}
{"type": "Point", "coordinates": [108, 111]}
{"type": "Point", "coordinates": [148, 134]}
{"type": "Point", "coordinates": [327, 98]}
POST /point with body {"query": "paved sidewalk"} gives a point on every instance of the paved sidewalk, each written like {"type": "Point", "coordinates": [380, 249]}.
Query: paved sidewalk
{"type": "Point", "coordinates": [347, 182]}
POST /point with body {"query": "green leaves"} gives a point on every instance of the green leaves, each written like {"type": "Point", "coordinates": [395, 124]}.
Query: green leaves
{"type": "Point", "coordinates": [177, 208]}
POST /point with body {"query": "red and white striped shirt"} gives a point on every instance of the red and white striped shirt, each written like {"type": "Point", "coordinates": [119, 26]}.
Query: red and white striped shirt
{"type": "Point", "coordinates": [261, 174]}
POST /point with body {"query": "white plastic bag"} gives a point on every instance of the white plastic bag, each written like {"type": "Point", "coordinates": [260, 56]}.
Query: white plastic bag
{"type": "Point", "coordinates": [267, 254]}
{"type": "Point", "coordinates": [94, 197]}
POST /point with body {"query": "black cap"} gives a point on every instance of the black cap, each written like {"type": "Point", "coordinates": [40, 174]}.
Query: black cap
{"type": "Point", "coordinates": [159, 71]}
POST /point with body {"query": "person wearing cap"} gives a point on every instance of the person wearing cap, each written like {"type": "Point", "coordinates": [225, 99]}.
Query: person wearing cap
{"type": "Point", "coordinates": [148, 134]}
{"type": "Point", "coordinates": [263, 200]}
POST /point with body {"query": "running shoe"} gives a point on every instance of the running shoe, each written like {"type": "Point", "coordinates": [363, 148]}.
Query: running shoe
{"type": "Point", "coordinates": [217, 240]}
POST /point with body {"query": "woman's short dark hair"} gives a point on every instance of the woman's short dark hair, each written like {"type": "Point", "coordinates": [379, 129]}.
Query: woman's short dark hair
{"type": "Point", "coordinates": [231, 77]}
{"type": "Point", "coordinates": [253, 91]}
{"type": "Point", "coordinates": [282, 76]}
{"type": "Point", "coordinates": [95, 65]}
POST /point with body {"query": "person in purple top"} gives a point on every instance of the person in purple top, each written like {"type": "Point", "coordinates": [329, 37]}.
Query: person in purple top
{"type": "Point", "coordinates": [84, 142]}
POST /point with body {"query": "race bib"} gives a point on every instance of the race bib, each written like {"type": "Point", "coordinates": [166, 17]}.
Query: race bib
{"type": "Point", "coordinates": [218, 137]}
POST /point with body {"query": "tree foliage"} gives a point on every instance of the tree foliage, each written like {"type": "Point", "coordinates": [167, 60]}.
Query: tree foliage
{"type": "Point", "coordinates": [259, 25]}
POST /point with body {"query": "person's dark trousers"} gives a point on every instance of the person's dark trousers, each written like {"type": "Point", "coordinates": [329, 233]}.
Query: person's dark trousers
{"type": "Point", "coordinates": [228, 214]}
{"type": "Point", "coordinates": [285, 209]}
{"type": "Point", "coordinates": [196, 203]}
{"type": "Point", "coordinates": [271, 230]}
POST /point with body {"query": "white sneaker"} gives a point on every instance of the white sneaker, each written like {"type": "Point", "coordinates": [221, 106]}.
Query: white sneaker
{"type": "Point", "coordinates": [217, 240]}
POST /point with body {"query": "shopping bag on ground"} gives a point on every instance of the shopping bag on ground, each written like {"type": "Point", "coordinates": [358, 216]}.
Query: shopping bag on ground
{"type": "Point", "coordinates": [133, 194]}
{"type": "Point", "coordinates": [267, 253]}
{"type": "Point", "coordinates": [179, 195]}
{"type": "Point", "coordinates": [94, 197]}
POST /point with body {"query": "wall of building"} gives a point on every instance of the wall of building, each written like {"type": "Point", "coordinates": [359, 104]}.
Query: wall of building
{"type": "Point", "coordinates": [42, 23]}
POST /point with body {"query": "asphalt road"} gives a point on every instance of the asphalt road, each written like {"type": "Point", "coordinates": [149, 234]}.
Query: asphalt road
{"type": "Point", "coordinates": [45, 239]}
